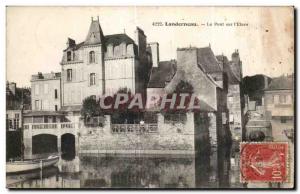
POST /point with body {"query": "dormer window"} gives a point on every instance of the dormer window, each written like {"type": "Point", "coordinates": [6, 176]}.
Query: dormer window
{"type": "Point", "coordinates": [92, 57]}
{"type": "Point", "coordinates": [69, 56]}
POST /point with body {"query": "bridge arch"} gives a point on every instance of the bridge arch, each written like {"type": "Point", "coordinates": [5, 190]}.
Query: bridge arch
{"type": "Point", "coordinates": [44, 143]}
{"type": "Point", "coordinates": [68, 145]}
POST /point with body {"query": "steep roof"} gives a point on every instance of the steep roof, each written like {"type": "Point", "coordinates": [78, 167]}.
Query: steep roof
{"type": "Point", "coordinates": [162, 74]}
{"type": "Point", "coordinates": [95, 34]}
{"type": "Point", "coordinates": [207, 60]}
{"type": "Point", "coordinates": [116, 39]}
{"type": "Point", "coordinates": [282, 83]}
{"type": "Point", "coordinates": [227, 67]}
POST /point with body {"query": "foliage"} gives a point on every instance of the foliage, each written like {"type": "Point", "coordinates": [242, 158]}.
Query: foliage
{"type": "Point", "coordinates": [123, 114]}
{"type": "Point", "coordinates": [182, 87]}
{"type": "Point", "coordinates": [91, 107]}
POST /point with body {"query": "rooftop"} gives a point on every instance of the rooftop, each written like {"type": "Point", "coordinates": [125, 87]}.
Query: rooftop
{"type": "Point", "coordinates": [162, 74]}
{"type": "Point", "coordinates": [208, 60]}
{"type": "Point", "coordinates": [95, 36]}
{"type": "Point", "coordinates": [46, 76]}
{"type": "Point", "coordinates": [282, 83]}
{"type": "Point", "coordinates": [232, 73]}
{"type": "Point", "coordinates": [71, 108]}
{"type": "Point", "coordinates": [42, 113]}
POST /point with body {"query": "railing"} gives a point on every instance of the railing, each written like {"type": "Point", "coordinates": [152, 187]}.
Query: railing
{"type": "Point", "coordinates": [134, 128]}
{"type": "Point", "coordinates": [49, 125]}
{"type": "Point", "coordinates": [67, 125]}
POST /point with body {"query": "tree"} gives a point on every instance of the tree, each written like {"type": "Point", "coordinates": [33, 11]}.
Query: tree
{"type": "Point", "coordinates": [182, 87]}
{"type": "Point", "coordinates": [123, 114]}
{"type": "Point", "coordinates": [91, 108]}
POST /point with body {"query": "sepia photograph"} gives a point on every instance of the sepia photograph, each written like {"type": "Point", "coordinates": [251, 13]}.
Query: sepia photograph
{"type": "Point", "coordinates": [150, 97]}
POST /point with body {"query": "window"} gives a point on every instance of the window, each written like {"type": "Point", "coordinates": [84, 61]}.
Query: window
{"type": "Point", "coordinates": [276, 99]}
{"type": "Point", "coordinates": [45, 105]}
{"type": "Point", "coordinates": [15, 124]}
{"type": "Point", "coordinates": [69, 55]}
{"type": "Point", "coordinates": [46, 119]}
{"type": "Point", "coordinates": [7, 122]}
{"type": "Point", "coordinates": [54, 118]}
{"type": "Point", "coordinates": [231, 118]}
{"type": "Point", "coordinates": [55, 107]}
{"type": "Point", "coordinates": [69, 74]}
{"type": "Point", "coordinates": [282, 99]}
{"type": "Point", "coordinates": [283, 119]}
{"type": "Point", "coordinates": [55, 93]}
{"type": "Point", "coordinates": [92, 57]}
{"type": "Point", "coordinates": [230, 99]}
{"type": "Point", "coordinates": [37, 104]}
{"type": "Point", "coordinates": [17, 115]}
{"type": "Point", "coordinates": [92, 79]}
{"type": "Point", "coordinates": [45, 88]}
{"type": "Point", "coordinates": [175, 117]}
{"type": "Point", "coordinates": [36, 89]}
{"type": "Point", "coordinates": [10, 124]}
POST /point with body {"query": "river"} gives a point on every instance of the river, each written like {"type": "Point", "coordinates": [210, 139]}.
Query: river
{"type": "Point", "coordinates": [220, 169]}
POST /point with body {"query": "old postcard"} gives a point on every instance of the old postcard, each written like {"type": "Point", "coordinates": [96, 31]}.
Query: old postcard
{"type": "Point", "coordinates": [150, 97]}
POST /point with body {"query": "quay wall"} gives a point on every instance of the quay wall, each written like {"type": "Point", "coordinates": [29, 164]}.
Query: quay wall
{"type": "Point", "coordinates": [170, 138]}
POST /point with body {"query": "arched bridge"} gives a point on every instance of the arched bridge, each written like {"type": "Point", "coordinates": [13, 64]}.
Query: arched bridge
{"type": "Point", "coordinates": [53, 133]}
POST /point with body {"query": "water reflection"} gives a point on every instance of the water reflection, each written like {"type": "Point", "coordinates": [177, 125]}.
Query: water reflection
{"type": "Point", "coordinates": [215, 169]}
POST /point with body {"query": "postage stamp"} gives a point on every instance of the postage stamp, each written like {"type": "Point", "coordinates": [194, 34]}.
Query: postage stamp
{"type": "Point", "coordinates": [264, 162]}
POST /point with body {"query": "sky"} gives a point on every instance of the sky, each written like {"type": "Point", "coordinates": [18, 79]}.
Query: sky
{"type": "Point", "coordinates": [37, 36]}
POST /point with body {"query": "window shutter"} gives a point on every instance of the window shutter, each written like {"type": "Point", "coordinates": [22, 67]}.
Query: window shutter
{"type": "Point", "coordinates": [73, 74]}
{"type": "Point", "coordinates": [64, 75]}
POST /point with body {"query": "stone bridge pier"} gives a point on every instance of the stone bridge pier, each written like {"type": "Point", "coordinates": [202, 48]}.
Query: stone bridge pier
{"type": "Point", "coordinates": [50, 129]}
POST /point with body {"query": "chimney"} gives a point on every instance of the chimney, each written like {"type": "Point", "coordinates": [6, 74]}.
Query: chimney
{"type": "Point", "coordinates": [70, 43]}
{"type": "Point", "coordinates": [266, 84]}
{"type": "Point", "coordinates": [40, 75]}
{"type": "Point", "coordinates": [141, 41]}
{"type": "Point", "coordinates": [155, 53]}
{"type": "Point", "coordinates": [12, 87]}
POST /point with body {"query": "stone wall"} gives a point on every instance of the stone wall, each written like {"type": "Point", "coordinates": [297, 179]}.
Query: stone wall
{"type": "Point", "coordinates": [169, 139]}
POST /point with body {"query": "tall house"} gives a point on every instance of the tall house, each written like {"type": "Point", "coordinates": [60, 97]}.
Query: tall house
{"type": "Point", "coordinates": [102, 64]}
{"type": "Point", "coordinates": [279, 100]}
{"type": "Point", "coordinates": [235, 100]}
{"type": "Point", "coordinates": [46, 92]}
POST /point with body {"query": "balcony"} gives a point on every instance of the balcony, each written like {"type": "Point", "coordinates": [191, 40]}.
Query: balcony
{"type": "Point", "coordinates": [134, 128]}
{"type": "Point", "coordinates": [50, 126]}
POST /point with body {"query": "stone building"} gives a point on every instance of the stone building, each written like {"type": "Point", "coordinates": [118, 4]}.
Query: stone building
{"type": "Point", "coordinates": [279, 100]}
{"type": "Point", "coordinates": [235, 99]}
{"type": "Point", "coordinates": [200, 68]}
{"type": "Point", "coordinates": [17, 100]}
{"type": "Point", "coordinates": [102, 64]}
{"type": "Point", "coordinates": [46, 92]}
{"type": "Point", "coordinates": [13, 120]}
{"type": "Point", "coordinates": [257, 125]}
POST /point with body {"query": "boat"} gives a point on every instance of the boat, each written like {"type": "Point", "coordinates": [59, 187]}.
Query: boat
{"type": "Point", "coordinates": [13, 179]}
{"type": "Point", "coordinates": [28, 165]}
